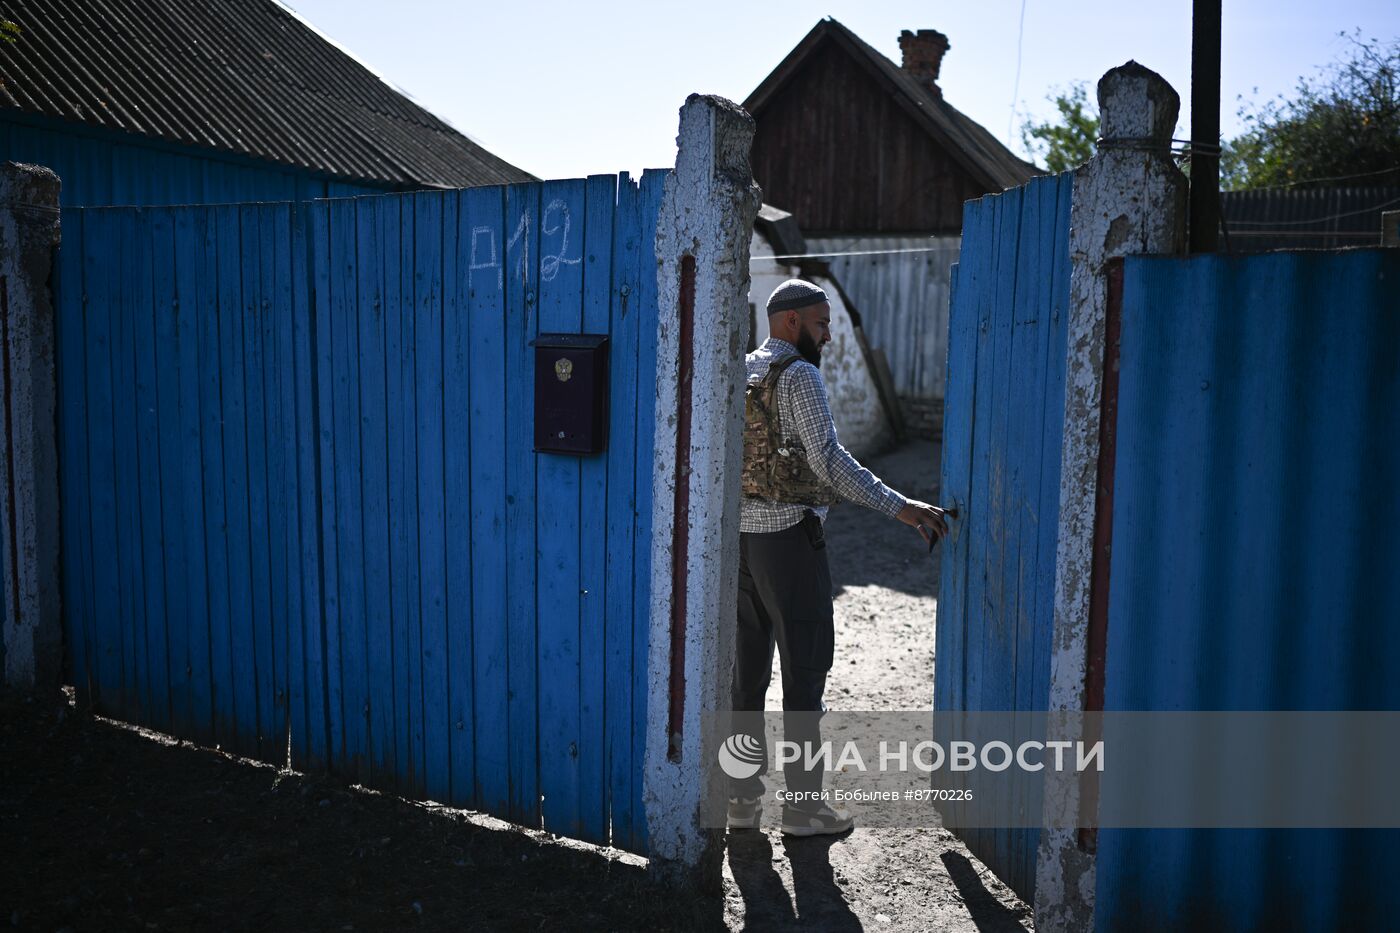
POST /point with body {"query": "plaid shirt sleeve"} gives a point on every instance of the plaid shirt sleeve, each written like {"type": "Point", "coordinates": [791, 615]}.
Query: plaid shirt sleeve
{"type": "Point", "coordinates": [811, 415]}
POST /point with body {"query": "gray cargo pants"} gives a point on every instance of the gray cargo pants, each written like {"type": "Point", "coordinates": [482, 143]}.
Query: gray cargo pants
{"type": "Point", "coordinates": [784, 600]}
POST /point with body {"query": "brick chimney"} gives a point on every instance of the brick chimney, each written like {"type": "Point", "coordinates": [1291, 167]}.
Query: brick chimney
{"type": "Point", "coordinates": [923, 54]}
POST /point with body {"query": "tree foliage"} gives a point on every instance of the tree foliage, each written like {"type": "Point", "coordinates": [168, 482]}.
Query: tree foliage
{"type": "Point", "coordinates": [1068, 142]}
{"type": "Point", "coordinates": [1343, 125]}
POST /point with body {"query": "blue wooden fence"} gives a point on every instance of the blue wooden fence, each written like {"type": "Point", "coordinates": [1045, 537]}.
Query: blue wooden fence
{"type": "Point", "coordinates": [1002, 432]}
{"type": "Point", "coordinates": [103, 167]}
{"type": "Point", "coordinates": [1254, 556]}
{"type": "Point", "coordinates": [301, 513]}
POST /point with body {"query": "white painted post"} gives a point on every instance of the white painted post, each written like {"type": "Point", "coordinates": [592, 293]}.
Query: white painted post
{"type": "Point", "coordinates": [702, 249]}
{"type": "Point", "coordinates": [32, 636]}
{"type": "Point", "coordinates": [1130, 198]}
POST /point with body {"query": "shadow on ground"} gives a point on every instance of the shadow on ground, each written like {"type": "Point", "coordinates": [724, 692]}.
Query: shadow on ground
{"type": "Point", "coordinates": [816, 903]}
{"type": "Point", "coordinates": [104, 828]}
{"type": "Point", "coordinates": [871, 549]}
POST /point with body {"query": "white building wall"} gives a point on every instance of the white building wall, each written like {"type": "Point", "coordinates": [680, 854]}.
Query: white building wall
{"type": "Point", "coordinates": [861, 422]}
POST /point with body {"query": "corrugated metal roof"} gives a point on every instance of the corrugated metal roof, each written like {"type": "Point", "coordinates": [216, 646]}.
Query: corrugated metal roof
{"type": "Point", "coordinates": [245, 76]}
{"type": "Point", "coordinates": [1312, 218]}
{"type": "Point", "coordinates": [980, 152]}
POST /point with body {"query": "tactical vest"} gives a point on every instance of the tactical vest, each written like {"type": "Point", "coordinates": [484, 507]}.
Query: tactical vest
{"type": "Point", "coordinates": [776, 468]}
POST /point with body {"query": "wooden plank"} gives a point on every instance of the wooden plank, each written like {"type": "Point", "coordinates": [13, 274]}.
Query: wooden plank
{"type": "Point", "coordinates": [458, 494]}
{"type": "Point", "coordinates": [403, 493]}
{"type": "Point", "coordinates": [483, 243]}
{"type": "Point", "coordinates": [557, 524]}
{"type": "Point", "coordinates": [256, 284]}
{"type": "Point", "coordinates": [276, 236]}
{"type": "Point", "coordinates": [153, 287]}
{"type": "Point", "coordinates": [371, 316]}
{"type": "Point", "coordinates": [237, 258]}
{"type": "Point", "coordinates": [521, 254]}
{"type": "Point", "coordinates": [100, 237]}
{"type": "Point", "coordinates": [626, 255]}
{"type": "Point", "coordinates": [348, 504]}
{"type": "Point", "coordinates": [194, 292]}
{"type": "Point", "coordinates": [306, 671]}
{"type": "Point", "coordinates": [1024, 432]}
{"type": "Point", "coordinates": [212, 309]}
{"type": "Point", "coordinates": [130, 307]}
{"type": "Point", "coordinates": [652, 188]}
{"type": "Point", "coordinates": [981, 491]}
{"type": "Point", "coordinates": [429, 250]}
{"type": "Point", "coordinates": [70, 301]}
{"type": "Point", "coordinates": [322, 219]}
{"type": "Point", "coordinates": [600, 199]}
{"type": "Point", "coordinates": [1034, 602]}
{"type": "Point", "coordinates": [170, 454]}
{"type": "Point", "coordinates": [951, 631]}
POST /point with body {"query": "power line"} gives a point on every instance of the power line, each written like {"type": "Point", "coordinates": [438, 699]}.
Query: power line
{"type": "Point", "coordinates": [1317, 220]}
{"type": "Point", "coordinates": [1016, 85]}
{"type": "Point", "coordinates": [863, 252]}
{"type": "Point", "coordinates": [1307, 181]}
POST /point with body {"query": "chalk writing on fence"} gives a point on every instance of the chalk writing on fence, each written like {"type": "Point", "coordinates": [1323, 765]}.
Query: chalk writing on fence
{"type": "Point", "coordinates": [485, 254]}
{"type": "Point", "coordinates": [549, 265]}
{"type": "Point", "coordinates": [490, 234]}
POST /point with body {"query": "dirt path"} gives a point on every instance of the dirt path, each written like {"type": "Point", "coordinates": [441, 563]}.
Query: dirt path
{"type": "Point", "coordinates": [105, 827]}
{"type": "Point", "coordinates": [873, 879]}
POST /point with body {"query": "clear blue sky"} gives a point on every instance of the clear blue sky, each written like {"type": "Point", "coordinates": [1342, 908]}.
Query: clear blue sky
{"type": "Point", "coordinates": [568, 89]}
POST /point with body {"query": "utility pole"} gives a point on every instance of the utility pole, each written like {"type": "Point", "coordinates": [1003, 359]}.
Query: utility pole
{"type": "Point", "coordinates": [1204, 214]}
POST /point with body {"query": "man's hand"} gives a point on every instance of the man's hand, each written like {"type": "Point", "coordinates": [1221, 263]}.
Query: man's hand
{"type": "Point", "coordinates": [930, 520]}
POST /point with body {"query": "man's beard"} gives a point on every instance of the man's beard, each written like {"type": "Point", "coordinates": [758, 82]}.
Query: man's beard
{"type": "Point", "coordinates": [811, 351]}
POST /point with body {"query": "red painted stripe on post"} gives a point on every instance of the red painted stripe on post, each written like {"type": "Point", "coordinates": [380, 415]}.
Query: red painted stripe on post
{"type": "Point", "coordinates": [1096, 649]}
{"type": "Point", "coordinates": [680, 523]}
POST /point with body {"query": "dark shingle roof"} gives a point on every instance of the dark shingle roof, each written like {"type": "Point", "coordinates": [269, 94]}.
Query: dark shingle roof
{"type": "Point", "coordinates": [981, 153]}
{"type": "Point", "coordinates": [245, 76]}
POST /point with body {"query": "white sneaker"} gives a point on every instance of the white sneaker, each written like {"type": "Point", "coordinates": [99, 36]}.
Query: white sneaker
{"type": "Point", "coordinates": [826, 821]}
{"type": "Point", "coordinates": [744, 812]}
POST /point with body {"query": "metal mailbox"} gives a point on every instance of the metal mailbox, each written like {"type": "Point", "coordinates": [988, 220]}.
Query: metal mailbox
{"type": "Point", "coordinates": [571, 393]}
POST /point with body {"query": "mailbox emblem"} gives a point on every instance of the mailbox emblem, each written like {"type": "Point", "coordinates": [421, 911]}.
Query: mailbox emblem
{"type": "Point", "coordinates": [571, 393]}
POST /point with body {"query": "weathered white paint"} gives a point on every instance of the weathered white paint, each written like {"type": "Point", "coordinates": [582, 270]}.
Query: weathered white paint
{"type": "Point", "coordinates": [902, 298]}
{"type": "Point", "coordinates": [861, 421]}
{"type": "Point", "coordinates": [1130, 198]}
{"type": "Point", "coordinates": [29, 519]}
{"type": "Point", "coordinates": [708, 212]}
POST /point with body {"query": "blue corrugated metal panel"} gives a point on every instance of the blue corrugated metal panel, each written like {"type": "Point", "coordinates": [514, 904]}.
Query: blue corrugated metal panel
{"type": "Point", "coordinates": [103, 169]}
{"type": "Point", "coordinates": [1254, 559]}
{"type": "Point", "coordinates": [1001, 459]}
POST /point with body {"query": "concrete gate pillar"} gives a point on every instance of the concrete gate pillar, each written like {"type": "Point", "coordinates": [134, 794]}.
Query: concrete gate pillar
{"type": "Point", "coordinates": [31, 637]}
{"type": "Point", "coordinates": [702, 249]}
{"type": "Point", "coordinates": [1130, 198]}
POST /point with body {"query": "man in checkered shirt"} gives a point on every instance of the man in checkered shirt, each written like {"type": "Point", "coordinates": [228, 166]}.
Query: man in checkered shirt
{"type": "Point", "coordinates": [785, 595]}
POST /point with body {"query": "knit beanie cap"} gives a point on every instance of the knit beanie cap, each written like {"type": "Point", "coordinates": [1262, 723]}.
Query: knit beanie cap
{"type": "Point", "coordinates": [794, 293]}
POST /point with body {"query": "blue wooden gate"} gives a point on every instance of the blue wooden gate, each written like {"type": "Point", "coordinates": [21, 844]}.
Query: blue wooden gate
{"type": "Point", "coordinates": [302, 517]}
{"type": "Point", "coordinates": [1002, 434]}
